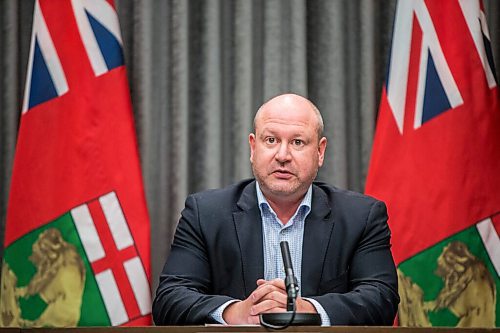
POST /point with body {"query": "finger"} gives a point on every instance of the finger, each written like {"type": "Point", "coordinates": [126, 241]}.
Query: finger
{"type": "Point", "coordinates": [261, 282]}
{"type": "Point", "coordinates": [265, 306]}
{"type": "Point", "coordinates": [263, 290]}
{"type": "Point", "coordinates": [280, 283]}
{"type": "Point", "coordinates": [274, 310]}
{"type": "Point", "coordinates": [270, 300]}
{"type": "Point", "coordinates": [277, 296]}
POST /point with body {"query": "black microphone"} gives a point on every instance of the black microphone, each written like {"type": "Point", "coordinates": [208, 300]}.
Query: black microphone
{"type": "Point", "coordinates": [281, 320]}
{"type": "Point", "coordinates": [291, 283]}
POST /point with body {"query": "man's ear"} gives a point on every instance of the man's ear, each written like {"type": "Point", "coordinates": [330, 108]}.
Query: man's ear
{"type": "Point", "coordinates": [251, 143]}
{"type": "Point", "coordinates": [321, 151]}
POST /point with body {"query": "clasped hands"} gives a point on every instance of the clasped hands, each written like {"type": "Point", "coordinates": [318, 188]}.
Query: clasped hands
{"type": "Point", "coordinates": [270, 296]}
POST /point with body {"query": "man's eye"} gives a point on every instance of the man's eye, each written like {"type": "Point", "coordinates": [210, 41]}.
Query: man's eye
{"type": "Point", "coordinates": [298, 142]}
{"type": "Point", "coordinates": [270, 140]}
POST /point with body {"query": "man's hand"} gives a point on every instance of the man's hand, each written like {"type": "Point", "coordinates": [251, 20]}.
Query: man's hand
{"type": "Point", "coordinates": [301, 304]}
{"type": "Point", "coordinates": [270, 296]}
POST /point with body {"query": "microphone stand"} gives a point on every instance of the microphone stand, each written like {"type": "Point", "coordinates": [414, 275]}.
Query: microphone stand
{"type": "Point", "coordinates": [281, 320]}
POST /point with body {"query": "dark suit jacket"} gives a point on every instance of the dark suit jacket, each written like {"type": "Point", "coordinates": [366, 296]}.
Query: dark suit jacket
{"type": "Point", "coordinates": [217, 256]}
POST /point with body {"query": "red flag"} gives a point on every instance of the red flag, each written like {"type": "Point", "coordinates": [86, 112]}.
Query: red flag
{"type": "Point", "coordinates": [436, 163]}
{"type": "Point", "coordinates": [77, 234]}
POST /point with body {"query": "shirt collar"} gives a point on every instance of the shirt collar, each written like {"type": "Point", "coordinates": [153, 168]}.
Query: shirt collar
{"type": "Point", "coordinates": [306, 201]}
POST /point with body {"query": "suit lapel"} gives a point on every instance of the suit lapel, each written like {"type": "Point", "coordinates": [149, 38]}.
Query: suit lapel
{"type": "Point", "coordinates": [249, 230]}
{"type": "Point", "coordinates": [317, 234]}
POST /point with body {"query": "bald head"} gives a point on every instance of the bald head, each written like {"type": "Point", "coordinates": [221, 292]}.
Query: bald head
{"type": "Point", "coordinates": [287, 149]}
{"type": "Point", "coordinates": [286, 102]}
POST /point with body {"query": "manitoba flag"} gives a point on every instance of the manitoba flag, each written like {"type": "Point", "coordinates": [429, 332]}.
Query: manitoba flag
{"type": "Point", "coordinates": [77, 233]}
{"type": "Point", "coordinates": [436, 163]}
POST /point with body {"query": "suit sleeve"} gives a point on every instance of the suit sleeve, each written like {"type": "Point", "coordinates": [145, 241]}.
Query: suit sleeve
{"type": "Point", "coordinates": [183, 295]}
{"type": "Point", "coordinates": [372, 298]}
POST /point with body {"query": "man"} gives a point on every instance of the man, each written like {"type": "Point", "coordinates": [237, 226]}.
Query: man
{"type": "Point", "coordinates": [225, 263]}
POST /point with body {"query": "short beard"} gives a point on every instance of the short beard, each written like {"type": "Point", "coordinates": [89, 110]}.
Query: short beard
{"type": "Point", "coordinates": [287, 190]}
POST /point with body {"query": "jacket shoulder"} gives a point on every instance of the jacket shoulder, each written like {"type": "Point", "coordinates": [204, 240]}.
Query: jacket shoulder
{"type": "Point", "coordinates": [223, 198]}
{"type": "Point", "coordinates": [335, 193]}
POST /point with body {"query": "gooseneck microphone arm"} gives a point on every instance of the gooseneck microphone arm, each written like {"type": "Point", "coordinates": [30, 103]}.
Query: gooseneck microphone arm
{"type": "Point", "coordinates": [281, 320]}
{"type": "Point", "coordinates": [291, 284]}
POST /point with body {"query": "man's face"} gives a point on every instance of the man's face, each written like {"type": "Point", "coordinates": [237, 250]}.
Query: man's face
{"type": "Point", "coordinates": [285, 150]}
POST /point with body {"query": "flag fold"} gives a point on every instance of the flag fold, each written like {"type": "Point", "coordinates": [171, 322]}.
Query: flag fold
{"type": "Point", "coordinates": [436, 163]}
{"type": "Point", "coordinates": [77, 238]}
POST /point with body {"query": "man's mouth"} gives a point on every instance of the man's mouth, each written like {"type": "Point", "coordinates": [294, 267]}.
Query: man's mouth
{"type": "Point", "coordinates": [283, 174]}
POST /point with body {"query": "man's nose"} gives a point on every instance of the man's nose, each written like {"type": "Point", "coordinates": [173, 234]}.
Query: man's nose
{"type": "Point", "coordinates": [283, 153]}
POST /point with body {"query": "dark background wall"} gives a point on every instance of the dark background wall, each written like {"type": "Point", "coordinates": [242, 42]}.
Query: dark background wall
{"type": "Point", "coordinates": [199, 69]}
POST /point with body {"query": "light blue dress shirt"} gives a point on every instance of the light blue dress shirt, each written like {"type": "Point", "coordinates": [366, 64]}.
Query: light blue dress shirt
{"type": "Point", "coordinates": [273, 232]}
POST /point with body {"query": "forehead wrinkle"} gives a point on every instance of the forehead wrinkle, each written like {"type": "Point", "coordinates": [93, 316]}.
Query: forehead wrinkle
{"type": "Point", "coordinates": [276, 129]}
{"type": "Point", "coordinates": [287, 122]}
